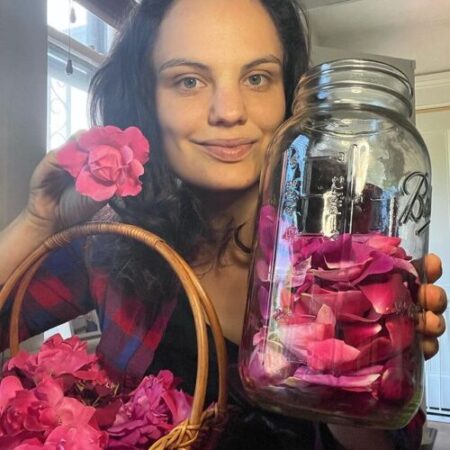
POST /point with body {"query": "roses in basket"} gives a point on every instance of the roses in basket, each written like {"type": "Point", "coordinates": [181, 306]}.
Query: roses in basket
{"type": "Point", "coordinates": [61, 398]}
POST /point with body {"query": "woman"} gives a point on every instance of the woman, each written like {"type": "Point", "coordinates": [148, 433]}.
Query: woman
{"type": "Point", "coordinates": [208, 82]}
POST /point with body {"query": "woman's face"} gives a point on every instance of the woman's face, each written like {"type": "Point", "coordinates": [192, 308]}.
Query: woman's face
{"type": "Point", "coordinates": [219, 91]}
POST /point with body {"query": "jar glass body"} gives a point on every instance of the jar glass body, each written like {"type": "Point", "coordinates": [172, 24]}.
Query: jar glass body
{"type": "Point", "coordinates": [342, 229]}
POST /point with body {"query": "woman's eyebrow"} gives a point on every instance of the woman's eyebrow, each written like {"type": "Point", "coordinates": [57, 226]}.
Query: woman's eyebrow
{"type": "Point", "coordinates": [263, 60]}
{"type": "Point", "coordinates": [182, 62]}
{"type": "Point", "coordinates": [176, 62]}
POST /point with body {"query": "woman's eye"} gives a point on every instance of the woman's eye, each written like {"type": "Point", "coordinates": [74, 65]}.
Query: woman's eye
{"type": "Point", "coordinates": [257, 80]}
{"type": "Point", "coordinates": [188, 83]}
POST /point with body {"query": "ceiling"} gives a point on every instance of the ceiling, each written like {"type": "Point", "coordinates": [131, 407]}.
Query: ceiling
{"type": "Point", "coordinates": [338, 16]}
{"type": "Point", "coordinates": [411, 29]}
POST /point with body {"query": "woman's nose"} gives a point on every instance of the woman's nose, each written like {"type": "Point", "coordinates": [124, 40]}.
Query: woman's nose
{"type": "Point", "coordinates": [227, 107]}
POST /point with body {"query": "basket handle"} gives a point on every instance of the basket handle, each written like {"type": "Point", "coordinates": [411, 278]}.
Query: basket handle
{"type": "Point", "coordinates": [199, 301]}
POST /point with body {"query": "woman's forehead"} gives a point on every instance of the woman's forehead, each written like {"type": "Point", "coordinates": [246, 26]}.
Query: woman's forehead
{"type": "Point", "coordinates": [212, 31]}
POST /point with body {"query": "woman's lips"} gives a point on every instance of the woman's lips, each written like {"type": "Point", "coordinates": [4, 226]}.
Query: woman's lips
{"type": "Point", "coordinates": [233, 150]}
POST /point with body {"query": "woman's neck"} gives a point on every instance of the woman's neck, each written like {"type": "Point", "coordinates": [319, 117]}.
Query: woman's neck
{"type": "Point", "coordinates": [239, 208]}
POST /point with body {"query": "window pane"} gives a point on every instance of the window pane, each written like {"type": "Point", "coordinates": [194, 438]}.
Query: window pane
{"type": "Point", "coordinates": [67, 93]}
{"type": "Point", "coordinates": [66, 97]}
{"type": "Point", "coordinates": [88, 29]}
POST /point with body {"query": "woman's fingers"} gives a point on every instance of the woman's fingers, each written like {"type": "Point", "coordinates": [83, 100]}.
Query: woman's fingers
{"type": "Point", "coordinates": [433, 267]}
{"type": "Point", "coordinates": [430, 346]}
{"type": "Point", "coordinates": [431, 325]}
{"type": "Point", "coordinates": [432, 298]}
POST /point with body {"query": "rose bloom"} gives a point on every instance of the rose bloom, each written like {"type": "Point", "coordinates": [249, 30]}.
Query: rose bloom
{"type": "Point", "coordinates": [154, 409]}
{"type": "Point", "coordinates": [106, 161]}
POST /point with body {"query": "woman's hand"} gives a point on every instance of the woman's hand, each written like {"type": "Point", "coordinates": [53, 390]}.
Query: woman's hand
{"type": "Point", "coordinates": [54, 203]}
{"type": "Point", "coordinates": [433, 299]}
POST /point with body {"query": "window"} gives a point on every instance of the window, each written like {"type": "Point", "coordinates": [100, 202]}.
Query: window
{"type": "Point", "coordinates": [85, 39]}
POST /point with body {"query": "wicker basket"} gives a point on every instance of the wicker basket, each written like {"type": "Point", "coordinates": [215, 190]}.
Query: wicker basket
{"type": "Point", "coordinates": [203, 427]}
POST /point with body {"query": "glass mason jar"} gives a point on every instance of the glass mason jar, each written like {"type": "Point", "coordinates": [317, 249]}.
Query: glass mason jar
{"type": "Point", "coordinates": [341, 233]}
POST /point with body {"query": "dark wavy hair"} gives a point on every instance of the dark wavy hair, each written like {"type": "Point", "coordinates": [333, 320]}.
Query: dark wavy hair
{"type": "Point", "coordinates": [122, 94]}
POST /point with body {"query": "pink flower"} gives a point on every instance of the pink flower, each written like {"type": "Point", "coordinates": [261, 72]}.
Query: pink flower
{"type": "Point", "coordinates": [20, 413]}
{"type": "Point", "coordinates": [76, 437]}
{"type": "Point", "coordinates": [154, 408]}
{"type": "Point", "coordinates": [9, 386]}
{"type": "Point", "coordinates": [106, 161]}
{"type": "Point", "coordinates": [60, 410]}
{"type": "Point", "coordinates": [64, 359]}
{"type": "Point", "coordinates": [61, 398]}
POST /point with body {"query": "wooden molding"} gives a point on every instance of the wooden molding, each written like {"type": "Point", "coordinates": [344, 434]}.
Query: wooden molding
{"type": "Point", "coordinates": [112, 12]}
{"type": "Point", "coordinates": [433, 91]}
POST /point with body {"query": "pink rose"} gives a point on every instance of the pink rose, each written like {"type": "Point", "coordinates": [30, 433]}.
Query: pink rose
{"type": "Point", "coordinates": [59, 410]}
{"type": "Point", "coordinates": [21, 413]}
{"type": "Point", "coordinates": [56, 357]}
{"type": "Point", "coordinates": [9, 386]}
{"type": "Point", "coordinates": [154, 408]}
{"type": "Point", "coordinates": [106, 161]}
{"type": "Point", "coordinates": [76, 437]}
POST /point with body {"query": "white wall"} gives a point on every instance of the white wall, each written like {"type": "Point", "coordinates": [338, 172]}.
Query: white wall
{"type": "Point", "coordinates": [23, 98]}
{"type": "Point", "coordinates": [428, 46]}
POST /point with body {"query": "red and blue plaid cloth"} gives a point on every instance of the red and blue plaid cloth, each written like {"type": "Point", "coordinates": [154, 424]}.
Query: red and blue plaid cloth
{"type": "Point", "coordinates": [63, 289]}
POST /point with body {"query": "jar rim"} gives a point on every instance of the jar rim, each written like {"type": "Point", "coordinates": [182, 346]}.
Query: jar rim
{"type": "Point", "coordinates": [363, 73]}
{"type": "Point", "coordinates": [356, 63]}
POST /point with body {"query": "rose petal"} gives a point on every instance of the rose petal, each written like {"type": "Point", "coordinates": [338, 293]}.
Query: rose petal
{"type": "Point", "coordinates": [357, 334]}
{"type": "Point", "coordinates": [9, 386]}
{"type": "Point", "coordinates": [386, 296]}
{"type": "Point", "coordinates": [371, 317]}
{"type": "Point", "coordinates": [263, 302]}
{"type": "Point", "coordinates": [379, 264]}
{"type": "Point", "coordinates": [385, 244]}
{"type": "Point", "coordinates": [401, 331]}
{"type": "Point", "coordinates": [346, 274]}
{"type": "Point", "coordinates": [129, 186]}
{"type": "Point", "coordinates": [341, 302]}
{"type": "Point", "coordinates": [326, 316]}
{"type": "Point", "coordinates": [105, 163]}
{"type": "Point", "coordinates": [407, 266]}
{"type": "Point", "coordinates": [329, 353]}
{"type": "Point", "coordinates": [86, 184]}
{"type": "Point", "coordinates": [266, 231]}
{"type": "Point", "coordinates": [396, 384]}
{"type": "Point", "coordinates": [127, 155]}
{"type": "Point", "coordinates": [297, 337]}
{"type": "Point", "coordinates": [262, 270]}
{"type": "Point", "coordinates": [139, 143]}
{"type": "Point", "coordinates": [375, 352]}
{"type": "Point", "coordinates": [136, 169]}
{"type": "Point", "coordinates": [354, 383]}
{"type": "Point", "coordinates": [72, 158]}
{"type": "Point", "coordinates": [269, 364]}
